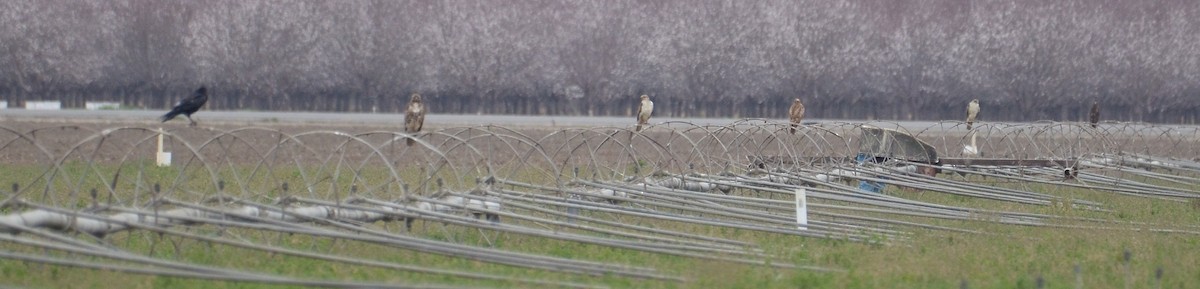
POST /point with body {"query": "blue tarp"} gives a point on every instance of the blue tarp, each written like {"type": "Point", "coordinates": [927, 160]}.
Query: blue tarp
{"type": "Point", "coordinates": [868, 186]}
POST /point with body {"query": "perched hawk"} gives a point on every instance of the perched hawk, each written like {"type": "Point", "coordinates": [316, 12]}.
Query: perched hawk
{"type": "Point", "coordinates": [414, 116]}
{"type": "Point", "coordinates": [188, 106]}
{"type": "Point", "coordinates": [972, 110]}
{"type": "Point", "coordinates": [1094, 117]}
{"type": "Point", "coordinates": [643, 113]}
{"type": "Point", "coordinates": [796, 114]}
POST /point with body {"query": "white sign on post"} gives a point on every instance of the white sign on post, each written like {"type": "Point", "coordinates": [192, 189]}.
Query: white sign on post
{"type": "Point", "coordinates": [161, 158]}
{"type": "Point", "coordinates": [801, 209]}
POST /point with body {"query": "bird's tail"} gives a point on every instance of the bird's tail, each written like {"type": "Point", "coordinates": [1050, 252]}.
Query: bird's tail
{"type": "Point", "coordinates": [969, 125]}
{"type": "Point", "coordinates": [1093, 125]}
{"type": "Point", "coordinates": [638, 128]}
{"type": "Point", "coordinates": [793, 129]}
{"type": "Point", "coordinates": [410, 141]}
{"type": "Point", "coordinates": [169, 116]}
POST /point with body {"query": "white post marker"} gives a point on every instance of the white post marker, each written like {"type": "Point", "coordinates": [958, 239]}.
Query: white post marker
{"type": "Point", "coordinates": [801, 209]}
{"type": "Point", "coordinates": [162, 159]}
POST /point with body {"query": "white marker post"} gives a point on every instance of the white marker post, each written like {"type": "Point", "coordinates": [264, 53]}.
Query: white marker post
{"type": "Point", "coordinates": [162, 159]}
{"type": "Point", "coordinates": [801, 209]}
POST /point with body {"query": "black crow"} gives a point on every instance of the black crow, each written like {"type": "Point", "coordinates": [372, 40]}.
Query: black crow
{"type": "Point", "coordinates": [188, 106]}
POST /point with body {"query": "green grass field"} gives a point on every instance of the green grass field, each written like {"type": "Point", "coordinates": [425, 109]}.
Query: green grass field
{"type": "Point", "coordinates": [1003, 256]}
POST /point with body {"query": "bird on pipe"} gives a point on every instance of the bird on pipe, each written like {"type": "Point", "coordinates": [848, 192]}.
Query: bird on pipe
{"type": "Point", "coordinates": [414, 116]}
{"type": "Point", "coordinates": [796, 114]}
{"type": "Point", "coordinates": [972, 111]}
{"type": "Point", "coordinates": [645, 108]}
{"type": "Point", "coordinates": [1094, 117]}
{"type": "Point", "coordinates": [188, 106]}
{"type": "Point", "coordinates": [971, 149]}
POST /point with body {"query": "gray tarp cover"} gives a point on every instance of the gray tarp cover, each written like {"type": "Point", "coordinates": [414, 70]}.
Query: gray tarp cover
{"type": "Point", "coordinates": [882, 142]}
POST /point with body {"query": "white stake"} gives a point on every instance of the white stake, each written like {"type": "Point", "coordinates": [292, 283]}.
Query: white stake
{"type": "Point", "coordinates": [801, 209]}
{"type": "Point", "coordinates": [161, 158]}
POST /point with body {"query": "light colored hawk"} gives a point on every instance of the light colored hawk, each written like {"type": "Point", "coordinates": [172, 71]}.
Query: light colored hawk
{"type": "Point", "coordinates": [414, 116]}
{"type": "Point", "coordinates": [1094, 117]}
{"type": "Point", "coordinates": [645, 108]}
{"type": "Point", "coordinates": [972, 111]}
{"type": "Point", "coordinates": [796, 114]}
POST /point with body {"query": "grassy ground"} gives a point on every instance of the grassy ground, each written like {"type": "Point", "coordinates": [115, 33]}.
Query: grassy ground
{"type": "Point", "coordinates": [1005, 256]}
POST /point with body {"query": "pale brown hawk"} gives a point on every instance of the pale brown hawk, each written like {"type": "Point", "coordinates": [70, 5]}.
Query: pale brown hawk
{"type": "Point", "coordinates": [645, 108]}
{"type": "Point", "coordinates": [414, 116]}
{"type": "Point", "coordinates": [972, 111]}
{"type": "Point", "coordinates": [796, 114]}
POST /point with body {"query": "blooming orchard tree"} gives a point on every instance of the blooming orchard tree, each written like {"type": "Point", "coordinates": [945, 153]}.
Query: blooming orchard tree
{"type": "Point", "coordinates": [848, 59]}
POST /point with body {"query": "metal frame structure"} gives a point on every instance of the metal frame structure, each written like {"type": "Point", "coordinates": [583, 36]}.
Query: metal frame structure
{"type": "Point", "coordinates": [579, 185]}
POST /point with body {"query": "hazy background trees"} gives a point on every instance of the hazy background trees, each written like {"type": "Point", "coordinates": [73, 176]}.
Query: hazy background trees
{"type": "Point", "coordinates": [868, 59]}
